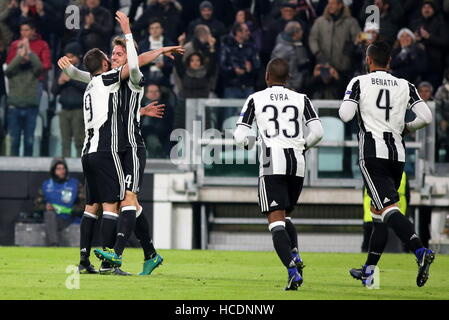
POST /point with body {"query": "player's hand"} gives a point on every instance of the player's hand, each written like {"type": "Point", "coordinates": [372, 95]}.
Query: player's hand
{"type": "Point", "coordinates": [153, 110]}
{"type": "Point", "coordinates": [170, 51]}
{"type": "Point", "coordinates": [64, 63]}
{"type": "Point", "coordinates": [123, 20]}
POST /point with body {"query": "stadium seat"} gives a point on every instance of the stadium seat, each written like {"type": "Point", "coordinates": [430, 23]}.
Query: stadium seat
{"type": "Point", "coordinates": [330, 159]}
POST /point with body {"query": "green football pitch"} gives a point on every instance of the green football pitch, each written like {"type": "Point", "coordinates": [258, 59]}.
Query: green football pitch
{"type": "Point", "coordinates": [40, 273]}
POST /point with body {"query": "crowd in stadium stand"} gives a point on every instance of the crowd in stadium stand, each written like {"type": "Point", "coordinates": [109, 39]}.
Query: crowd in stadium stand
{"type": "Point", "coordinates": [227, 42]}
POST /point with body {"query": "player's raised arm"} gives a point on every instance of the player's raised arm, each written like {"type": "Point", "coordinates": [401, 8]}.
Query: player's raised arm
{"type": "Point", "coordinates": [242, 133]}
{"type": "Point", "coordinates": [420, 108]}
{"type": "Point", "coordinates": [73, 72]}
{"type": "Point", "coordinates": [351, 101]}
{"type": "Point", "coordinates": [313, 123]}
{"type": "Point", "coordinates": [149, 56]}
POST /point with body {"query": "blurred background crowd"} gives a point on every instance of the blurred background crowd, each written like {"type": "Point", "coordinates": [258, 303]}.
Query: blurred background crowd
{"type": "Point", "coordinates": [227, 42]}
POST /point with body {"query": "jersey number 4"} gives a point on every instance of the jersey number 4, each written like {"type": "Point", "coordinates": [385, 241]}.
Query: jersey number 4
{"type": "Point", "coordinates": [274, 119]}
{"type": "Point", "coordinates": [386, 106]}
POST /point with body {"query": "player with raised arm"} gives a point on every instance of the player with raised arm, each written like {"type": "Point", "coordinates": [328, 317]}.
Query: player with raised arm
{"type": "Point", "coordinates": [134, 158]}
{"type": "Point", "coordinates": [280, 114]}
{"type": "Point", "coordinates": [380, 101]}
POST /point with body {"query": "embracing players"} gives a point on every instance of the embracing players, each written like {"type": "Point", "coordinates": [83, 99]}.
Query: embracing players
{"type": "Point", "coordinates": [380, 101]}
{"type": "Point", "coordinates": [124, 107]}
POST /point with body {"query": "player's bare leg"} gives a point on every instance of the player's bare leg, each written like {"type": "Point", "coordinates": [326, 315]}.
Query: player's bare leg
{"type": "Point", "coordinates": [87, 226]}
{"type": "Point", "coordinates": [282, 245]}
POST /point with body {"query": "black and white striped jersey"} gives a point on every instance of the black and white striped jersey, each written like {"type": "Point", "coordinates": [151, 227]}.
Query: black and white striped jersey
{"type": "Point", "coordinates": [382, 101]}
{"type": "Point", "coordinates": [102, 116]}
{"type": "Point", "coordinates": [132, 95]}
{"type": "Point", "coordinates": [279, 114]}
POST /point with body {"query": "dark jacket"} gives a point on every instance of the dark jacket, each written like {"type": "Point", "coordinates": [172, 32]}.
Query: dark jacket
{"type": "Point", "coordinates": [70, 93]}
{"type": "Point", "coordinates": [408, 63]}
{"type": "Point", "coordinates": [438, 41]}
{"type": "Point", "coordinates": [298, 58]}
{"type": "Point", "coordinates": [234, 55]}
{"type": "Point", "coordinates": [167, 69]}
{"type": "Point", "coordinates": [195, 85]}
{"type": "Point", "coordinates": [99, 34]}
{"type": "Point", "coordinates": [23, 81]}
{"type": "Point", "coordinates": [169, 16]}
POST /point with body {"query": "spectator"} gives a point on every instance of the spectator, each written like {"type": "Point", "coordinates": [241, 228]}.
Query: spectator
{"type": "Point", "coordinates": [6, 35]}
{"type": "Point", "coordinates": [291, 48]}
{"type": "Point", "coordinates": [195, 75]}
{"type": "Point", "coordinates": [364, 39]}
{"type": "Point", "coordinates": [96, 26]}
{"type": "Point", "coordinates": [205, 44]}
{"type": "Point", "coordinates": [23, 73]}
{"type": "Point", "coordinates": [167, 11]}
{"type": "Point", "coordinates": [326, 83]}
{"type": "Point", "coordinates": [158, 71]}
{"type": "Point", "coordinates": [39, 47]}
{"type": "Point", "coordinates": [425, 90]}
{"type": "Point", "coordinates": [71, 92]}
{"type": "Point", "coordinates": [305, 10]}
{"type": "Point", "coordinates": [288, 13]}
{"type": "Point", "coordinates": [245, 16]}
{"type": "Point", "coordinates": [225, 9]}
{"type": "Point", "coordinates": [333, 36]}
{"type": "Point", "coordinates": [61, 199]}
{"type": "Point", "coordinates": [442, 119]}
{"type": "Point", "coordinates": [216, 27]}
{"type": "Point", "coordinates": [156, 132]}
{"type": "Point", "coordinates": [391, 15]}
{"type": "Point", "coordinates": [408, 59]}
{"type": "Point", "coordinates": [431, 30]}
{"type": "Point", "coordinates": [239, 63]}
{"type": "Point", "coordinates": [40, 13]}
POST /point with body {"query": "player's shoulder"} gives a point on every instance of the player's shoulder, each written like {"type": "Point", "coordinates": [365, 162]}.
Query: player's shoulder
{"type": "Point", "coordinates": [112, 71]}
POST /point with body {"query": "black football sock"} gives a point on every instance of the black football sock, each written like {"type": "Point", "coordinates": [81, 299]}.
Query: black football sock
{"type": "Point", "coordinates": [109, 229]}
{"type": "Point", "coordinates": [377, 243]}
{"type": "Point", "coordinates": [292, 233]}
{"type": "Point", "coordinates": [282, 245]}
{"type": "Point", "coordinates": [404, 229]}
{"type": "Point", "coordinates": [86, 235]}
{"type": "Point", "coordinates": [127, 222]}
{"type": "Point", "coordinates": [142, 231]}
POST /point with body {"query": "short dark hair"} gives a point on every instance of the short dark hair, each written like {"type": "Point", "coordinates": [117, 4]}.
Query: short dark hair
{"type": "Point", "coordinates": [28, 22]}
{"type": "Point", "coordinates": [278, 70]}
{"type": "Point", "coordinates": [237, 27]}
{"type": "Point", "coordinates": [380, 52]}
{"type": "Point", "coordinates": [93, 60]}
{"type": "Point", "coordinates": [155, 20]}
{"type": "Point", "coordinates": [190, 56]}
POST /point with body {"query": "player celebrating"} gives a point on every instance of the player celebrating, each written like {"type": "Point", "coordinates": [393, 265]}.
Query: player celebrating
{"type": "Point", "coordinates": [133, 160]}
{"type": "Point", "coordinates": [279, 114]}
{"type": "Point", "coordinates": [380, 101]}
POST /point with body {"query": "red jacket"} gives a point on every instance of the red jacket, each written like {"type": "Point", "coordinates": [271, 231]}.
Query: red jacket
{"type": "Point", "coordinates": [39, 47]}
